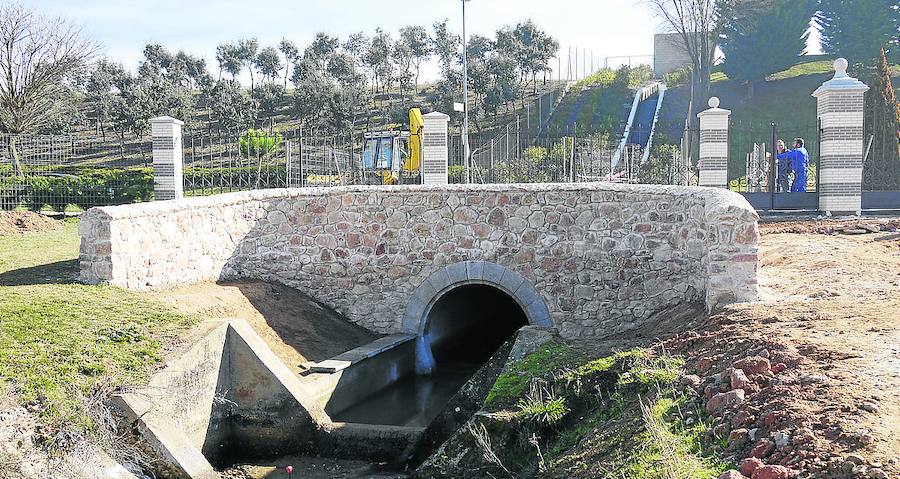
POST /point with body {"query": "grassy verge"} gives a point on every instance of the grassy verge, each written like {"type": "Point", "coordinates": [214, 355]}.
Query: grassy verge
{"type": "Point", "coordinates": [560, 414]}
{"type": "Point", "coordinates": [62, 342]}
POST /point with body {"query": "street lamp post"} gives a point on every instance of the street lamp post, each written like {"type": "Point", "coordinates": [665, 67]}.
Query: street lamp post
{"type": "Point", "coordinates": [467, 160]}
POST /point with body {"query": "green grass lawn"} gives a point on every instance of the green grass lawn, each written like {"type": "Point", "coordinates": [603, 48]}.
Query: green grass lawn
{"type": "Point", "coordinates": [60, 341]}
{"type": "Point", "coordinates": [818, 67]}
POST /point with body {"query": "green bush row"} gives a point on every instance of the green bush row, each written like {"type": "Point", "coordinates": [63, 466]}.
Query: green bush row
{"type": "Point", "coordinates": [85, 188]}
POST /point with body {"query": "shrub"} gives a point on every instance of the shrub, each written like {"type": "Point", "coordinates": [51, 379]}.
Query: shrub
{"type": "Point", "coordinates": [456, 174]}
{"type": "Point", "coordinates": [84, 188]}
{"type": "Point", "coordinates": [677, 78]}
{"type": "Point", "coordinates": [259, 143]}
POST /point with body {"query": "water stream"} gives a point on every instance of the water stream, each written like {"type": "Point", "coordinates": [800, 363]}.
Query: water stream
{"type": "Point", "coordinates": [414, 400]}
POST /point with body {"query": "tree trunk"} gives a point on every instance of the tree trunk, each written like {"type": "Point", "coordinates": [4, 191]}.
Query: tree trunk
{"type": "Point", "coordinates": [122, 145]}
{"type": "Point", "coordinates": [14, 154]}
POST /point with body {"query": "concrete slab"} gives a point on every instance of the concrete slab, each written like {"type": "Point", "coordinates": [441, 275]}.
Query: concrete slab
{"type": "Point", "coordinates": [457, 273]}
{"type": "Point", "coordinates": [345, 360]}
{"type": "Point", "coordinates": [511, 281]}
{"type": "Point", "coordinates": [440, 279]}
{"type": "Point", "coordinates": [493, 273]}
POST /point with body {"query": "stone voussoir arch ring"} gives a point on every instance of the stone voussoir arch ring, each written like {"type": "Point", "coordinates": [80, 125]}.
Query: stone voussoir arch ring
{"type": "Point", "coordinates": [444, 280]}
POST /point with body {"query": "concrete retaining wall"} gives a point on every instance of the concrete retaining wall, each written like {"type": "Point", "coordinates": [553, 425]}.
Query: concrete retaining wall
{"type": "Point", "coordinates": [603, 257]}
{"type": "Point", "coordinates": [226, 397]}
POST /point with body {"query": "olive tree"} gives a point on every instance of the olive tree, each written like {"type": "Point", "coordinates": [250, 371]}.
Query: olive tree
{"type": "Point", "coordinates": [291, 56]}
{"type": "Point", "coordinates": [415, 41]}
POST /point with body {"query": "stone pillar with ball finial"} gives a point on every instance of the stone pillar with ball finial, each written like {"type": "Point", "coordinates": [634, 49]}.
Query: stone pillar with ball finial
{"type": "Point", "coordinates": [840, 103]}
{"type": "Point", "coordinates": [713, 163]}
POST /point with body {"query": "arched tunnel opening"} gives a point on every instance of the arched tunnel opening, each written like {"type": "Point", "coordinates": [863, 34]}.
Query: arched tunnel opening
{"type": "Point", "coordinates": [467, 325]}
{"type": "Point", "coordinates": [462, 330]}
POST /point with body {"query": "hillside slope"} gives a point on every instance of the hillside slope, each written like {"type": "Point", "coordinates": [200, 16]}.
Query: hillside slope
{"type": "Point", "coordinates": [785, 99]}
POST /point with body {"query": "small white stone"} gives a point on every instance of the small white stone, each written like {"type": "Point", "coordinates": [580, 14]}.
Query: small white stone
{"type": "Point", "coordinates": [714, 102]}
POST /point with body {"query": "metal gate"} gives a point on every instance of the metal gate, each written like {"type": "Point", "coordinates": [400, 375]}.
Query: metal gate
{"type": "Point", "coordinates": [881, 165]}
{"type": "Point", "coordinates": [757, 177]}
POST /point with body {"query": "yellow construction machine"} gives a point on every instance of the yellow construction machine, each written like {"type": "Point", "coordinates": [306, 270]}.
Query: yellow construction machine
{"type": "Point", "coordinates": [392, 156]}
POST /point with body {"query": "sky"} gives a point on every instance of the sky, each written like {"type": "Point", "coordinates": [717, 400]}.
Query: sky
{"type": "Point", "coordinates": [602, 28]}
{"type": "Point", "coordinates": [605, 27]}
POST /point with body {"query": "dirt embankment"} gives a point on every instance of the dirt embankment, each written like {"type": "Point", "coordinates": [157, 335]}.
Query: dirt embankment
{"type": "Point", "coordinates": [299, 330]}
{"type": "Point", "coordinates": [808, 378]}
{"type": "Point", "coordinates": [15, 222]}
{"type": "Point", "coordinates": [855, 226]}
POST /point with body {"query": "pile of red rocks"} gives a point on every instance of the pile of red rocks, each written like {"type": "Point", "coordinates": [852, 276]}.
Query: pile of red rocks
{"type": "Point", "coordinates": [749, 401]}
{"type": "Point", "coordinates": [725, 394]}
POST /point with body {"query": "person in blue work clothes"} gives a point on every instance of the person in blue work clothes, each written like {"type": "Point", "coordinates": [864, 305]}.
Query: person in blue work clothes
{"type": "Point", "coordinates": [783, 180]}
{"type": "Point", "coordinates": [797, 160]}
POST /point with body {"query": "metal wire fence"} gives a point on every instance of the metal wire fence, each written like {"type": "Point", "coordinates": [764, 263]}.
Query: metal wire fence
{"type": "Point", "coordinates": [71, 172]}
{"type": "Point", "coordinates": [515, 157]}
{"type": "Point", "coordinates": [225, 161]}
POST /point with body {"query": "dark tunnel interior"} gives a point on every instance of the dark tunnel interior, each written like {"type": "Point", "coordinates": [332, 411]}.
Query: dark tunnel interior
{"type": "Point", "coordinates": [468, 324]}
{"type": "Point", "coordinates": [463, 329]}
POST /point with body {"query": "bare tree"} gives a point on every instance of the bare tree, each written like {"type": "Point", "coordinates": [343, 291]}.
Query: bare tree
{"type": "Point", "coordinates": [38, 56]}
{"type": "Point", "coordinates": [697, 22]}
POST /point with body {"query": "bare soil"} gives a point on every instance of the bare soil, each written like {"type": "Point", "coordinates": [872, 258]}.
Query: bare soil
{"type": "Point", "coordinates": [15, 222]}
{"type": "Point", "coordinates": [298, 329]}
{"type": "Point", "coordinates": [830, 315]}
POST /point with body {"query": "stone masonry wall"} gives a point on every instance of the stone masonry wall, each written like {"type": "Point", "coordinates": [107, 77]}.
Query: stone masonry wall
{"type": "Point", "coordinates": [603, 257]}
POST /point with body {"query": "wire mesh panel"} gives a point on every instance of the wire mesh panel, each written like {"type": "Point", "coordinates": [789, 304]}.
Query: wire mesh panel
{"type": "Point", "coordinates": [73, 172]}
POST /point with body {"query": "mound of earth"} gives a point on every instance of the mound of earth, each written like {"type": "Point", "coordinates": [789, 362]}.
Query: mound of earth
{"type": "Point", "coordinates": [298, 329]}
{"type": "Point", "coordinates": [829, 226]}
{"type": "Point", "coordinates": [15, 222]}
{"type": "Point", "coordinates": [820, 357]}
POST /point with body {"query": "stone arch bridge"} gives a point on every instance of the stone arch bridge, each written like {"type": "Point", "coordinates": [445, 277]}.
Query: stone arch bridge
{"type": "Point", "coordinates": [588, 259]}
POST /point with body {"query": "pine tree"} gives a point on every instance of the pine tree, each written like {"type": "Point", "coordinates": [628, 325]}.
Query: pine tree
{"type": "Point", "coordinates": [882, 168]}
{"type": "Point", "coordinates": [859, 29]}
{"type": "Point", "coordinates": [763, 37]}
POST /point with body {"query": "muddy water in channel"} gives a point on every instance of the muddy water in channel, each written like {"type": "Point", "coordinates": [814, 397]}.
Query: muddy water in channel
{"type": "Point", "coordinates": [412, 401]}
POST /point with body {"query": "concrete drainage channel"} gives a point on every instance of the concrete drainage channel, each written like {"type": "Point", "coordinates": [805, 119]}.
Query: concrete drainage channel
{"type": "Point", "coordinates": [229, 399]}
